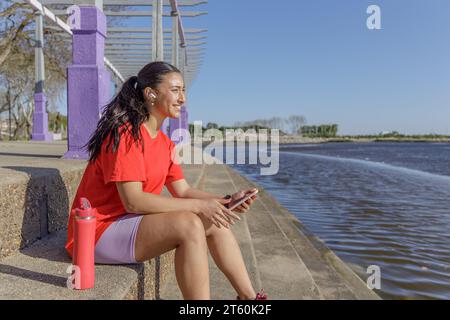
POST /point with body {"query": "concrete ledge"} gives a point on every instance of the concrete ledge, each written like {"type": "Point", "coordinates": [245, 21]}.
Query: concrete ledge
{"type": "Point", "coordinates": [35, 198]}
{"type": "Point", "coordinates": [39, 272]}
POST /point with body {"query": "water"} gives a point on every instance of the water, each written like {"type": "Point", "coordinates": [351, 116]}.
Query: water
{"type": "Point", "coordinates": [384, 204]}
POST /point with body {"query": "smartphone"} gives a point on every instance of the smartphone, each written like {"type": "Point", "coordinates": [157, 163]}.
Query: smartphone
{"type": "Point", "coordinates": [238, 202]}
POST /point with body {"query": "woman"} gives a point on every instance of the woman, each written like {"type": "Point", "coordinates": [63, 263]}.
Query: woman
{"type": "Point", "coordinates": [131, 160]}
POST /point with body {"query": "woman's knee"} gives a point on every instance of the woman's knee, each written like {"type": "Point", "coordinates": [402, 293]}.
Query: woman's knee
{"type": "Point", "coordinates": [212, 231]}
{"type": "Point", "coordinates": [191, 227]}
{"type": "Point", "coordinates": [160, 233]}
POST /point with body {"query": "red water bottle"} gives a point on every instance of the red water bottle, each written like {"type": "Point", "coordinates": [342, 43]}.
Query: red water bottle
{"type": "Point", "coordinates": [84, 245]}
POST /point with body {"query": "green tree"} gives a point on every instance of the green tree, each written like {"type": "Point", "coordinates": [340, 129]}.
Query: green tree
{"type": "Point", "coordinates": [17, 65]}
{"type": "Point", "coordinates": [212, 125]}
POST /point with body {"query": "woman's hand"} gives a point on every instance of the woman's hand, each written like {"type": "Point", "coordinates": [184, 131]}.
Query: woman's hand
{"type": "Point", "coordinates": [213, 210]}
{"type": "Point", "coordinates": [245, 206]}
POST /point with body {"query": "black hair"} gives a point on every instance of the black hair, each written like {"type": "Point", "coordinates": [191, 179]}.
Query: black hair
{"type": "Point", "coordinates": [127, 108]}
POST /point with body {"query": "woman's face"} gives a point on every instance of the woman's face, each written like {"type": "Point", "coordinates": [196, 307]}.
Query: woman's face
{"type": "Point", "coordinates": [170, 95]}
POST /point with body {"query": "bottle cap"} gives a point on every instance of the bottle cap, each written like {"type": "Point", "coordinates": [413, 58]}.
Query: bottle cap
{"type": "Point", "coordinates": [85, 209]}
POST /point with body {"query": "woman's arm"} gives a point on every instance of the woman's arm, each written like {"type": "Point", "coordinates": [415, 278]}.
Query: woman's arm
{"type": "Point", "coordinates": [135, 200]}
{"type": "Point", "coordinates": [181, 189]}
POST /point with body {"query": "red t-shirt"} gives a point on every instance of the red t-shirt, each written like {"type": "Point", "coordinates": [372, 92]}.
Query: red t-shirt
{"type": "Point", "coordinates": [154, 167]}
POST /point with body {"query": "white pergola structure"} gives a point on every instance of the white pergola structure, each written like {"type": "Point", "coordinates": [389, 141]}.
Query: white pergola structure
{"type": "Point", "coordinates": [124, 50]}
{"type": "Point", "coordinates": [128, 48]}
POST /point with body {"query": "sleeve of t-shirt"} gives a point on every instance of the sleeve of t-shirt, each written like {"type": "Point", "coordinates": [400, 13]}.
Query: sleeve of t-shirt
{"type": "Point", "coordinates": [126, 164]}
{"type": "Point", "coordinates": [175, 172]}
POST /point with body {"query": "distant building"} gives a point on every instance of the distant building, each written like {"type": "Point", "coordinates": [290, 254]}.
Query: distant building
{"type": "Point", "coordinates": [388, 133]}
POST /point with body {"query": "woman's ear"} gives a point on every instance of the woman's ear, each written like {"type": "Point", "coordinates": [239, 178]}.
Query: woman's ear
{"type": "Point", "coordinates": [149, 94]}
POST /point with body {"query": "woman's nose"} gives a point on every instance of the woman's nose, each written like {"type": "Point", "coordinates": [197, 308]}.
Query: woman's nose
{"type": "Point", "coordinates": [182, 98]}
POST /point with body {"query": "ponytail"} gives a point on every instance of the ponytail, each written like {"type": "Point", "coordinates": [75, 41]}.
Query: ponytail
{"type": "Point", "coordinates": [126, 108]}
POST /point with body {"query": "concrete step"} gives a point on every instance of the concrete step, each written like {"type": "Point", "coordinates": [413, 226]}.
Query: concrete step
{"type": "Point", "coordinates": [40, 272]}
{"type": "Point", "coordinates": [36, 195]}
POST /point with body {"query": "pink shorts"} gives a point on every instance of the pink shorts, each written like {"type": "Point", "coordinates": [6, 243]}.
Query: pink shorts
{"type": "Point", "coordinates": [117, 243]}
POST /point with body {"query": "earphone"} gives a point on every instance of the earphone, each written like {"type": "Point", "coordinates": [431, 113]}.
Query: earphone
{"type": "Point", "coordinates": [153, 95]}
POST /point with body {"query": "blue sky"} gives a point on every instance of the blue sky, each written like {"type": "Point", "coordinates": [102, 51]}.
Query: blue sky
{"type": "Point", "coordinates": [317, 58]}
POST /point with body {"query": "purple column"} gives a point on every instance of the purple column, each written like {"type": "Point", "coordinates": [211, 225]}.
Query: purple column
{"type": "Point", "coordinates": [40, 119]}
{"type": "Point", "coordinates": [180, 123]}
{"type": "Point", "coordinates": [40, 116]}
{"type": "Point", "coordinates": [87, 80]}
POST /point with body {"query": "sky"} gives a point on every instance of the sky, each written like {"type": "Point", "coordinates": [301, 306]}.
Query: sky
{"type": "Point", "coordinates": [317, 58]}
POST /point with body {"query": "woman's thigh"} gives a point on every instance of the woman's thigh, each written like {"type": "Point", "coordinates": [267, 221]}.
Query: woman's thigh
{"type": "Point", "coordinates": [162, 232]}
{"type": "Point", "coordinates": [116, 245]}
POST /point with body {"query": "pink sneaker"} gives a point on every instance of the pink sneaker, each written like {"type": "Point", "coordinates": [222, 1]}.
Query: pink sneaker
{"type": "Point", "coordinates": [259, 296]}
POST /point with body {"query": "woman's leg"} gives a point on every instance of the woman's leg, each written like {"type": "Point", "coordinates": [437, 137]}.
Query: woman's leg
{"type": "Point", "coordinates": [227, 255]}
{"type": "Point", "coordinates": [162, 232]}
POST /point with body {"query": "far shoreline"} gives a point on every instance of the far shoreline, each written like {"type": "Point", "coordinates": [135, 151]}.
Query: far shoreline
{"type": "Point", "coordinates": [289, 139]}
{"type": "Point", "coordinates": [306, 140]}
